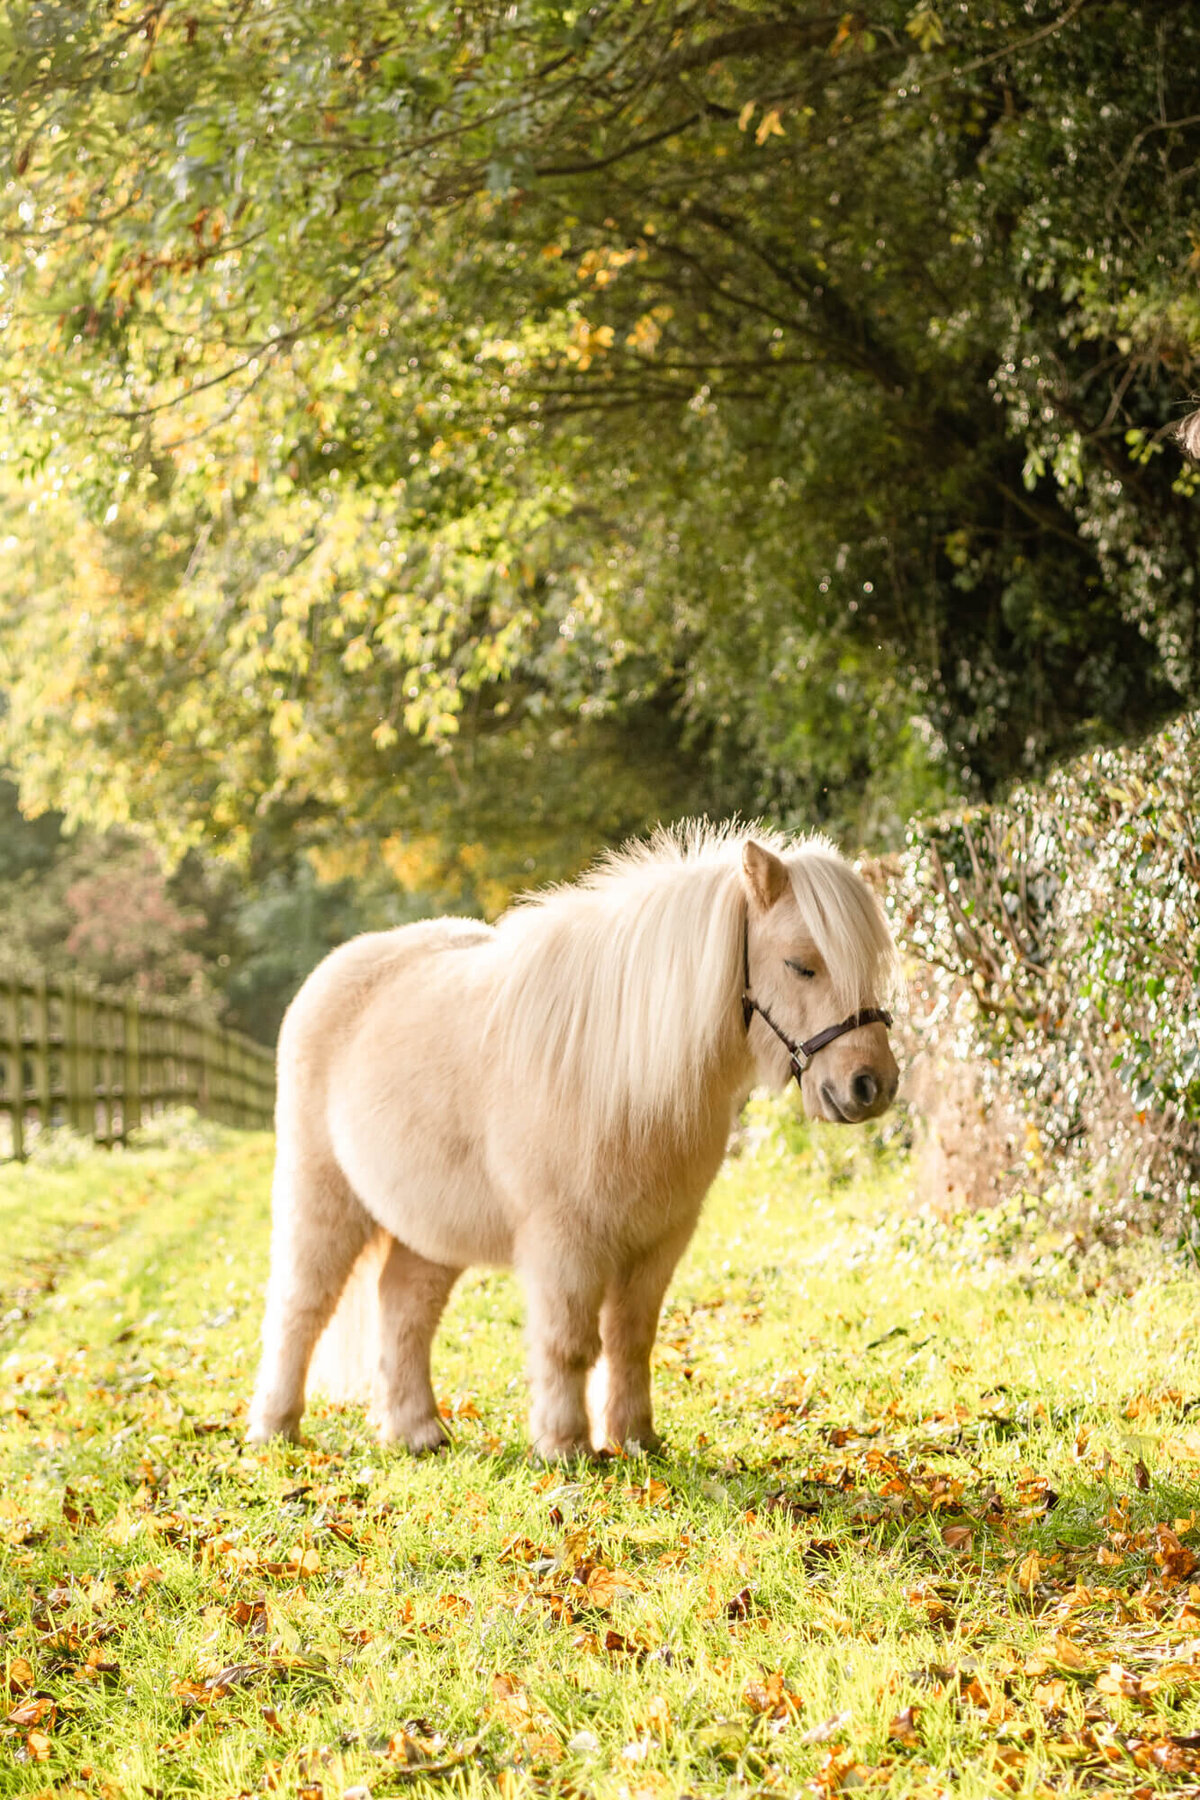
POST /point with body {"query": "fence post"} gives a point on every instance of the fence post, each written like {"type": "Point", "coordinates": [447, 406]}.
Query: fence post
{"type": "Point", "coordinates": [131, 1102]}
{"type": "Point", "coordinates": [41, 1053]}
{"type": "Point", "coordinates": [16, 1065]}
{"type": "Point", "coordinates": [70, 1014]}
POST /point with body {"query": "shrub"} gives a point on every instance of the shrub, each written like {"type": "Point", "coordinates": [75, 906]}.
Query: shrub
{"type": "Point", "coordinates": [1055, 946]}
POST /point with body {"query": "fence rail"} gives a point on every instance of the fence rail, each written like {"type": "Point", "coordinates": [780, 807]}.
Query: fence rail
{"type": "Point", "coordinates": [104, 1063]}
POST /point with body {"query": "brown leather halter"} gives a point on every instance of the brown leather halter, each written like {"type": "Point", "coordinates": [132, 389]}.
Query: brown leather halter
{"type": "Point", "coordinates": [802, 1054]}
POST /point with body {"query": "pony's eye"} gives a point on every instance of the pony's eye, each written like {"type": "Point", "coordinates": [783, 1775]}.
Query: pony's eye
{"type": "Point", "coordinates": [798, 968]}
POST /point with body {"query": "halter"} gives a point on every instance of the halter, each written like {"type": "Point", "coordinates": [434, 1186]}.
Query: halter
{"type": "Point", "coordinates": [802, 1054]}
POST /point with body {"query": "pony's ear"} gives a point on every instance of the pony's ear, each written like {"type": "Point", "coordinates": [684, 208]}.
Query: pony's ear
{"type": "Point", "coordinates": [765, 876]}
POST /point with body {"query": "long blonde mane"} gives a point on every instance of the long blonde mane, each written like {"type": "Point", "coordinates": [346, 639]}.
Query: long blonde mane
{"type": "Point", "coordinates": [621, 992]}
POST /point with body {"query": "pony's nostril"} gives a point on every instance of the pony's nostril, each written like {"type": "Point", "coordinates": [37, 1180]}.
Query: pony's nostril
{"type": "Point", "coordinates": [864, 1087]}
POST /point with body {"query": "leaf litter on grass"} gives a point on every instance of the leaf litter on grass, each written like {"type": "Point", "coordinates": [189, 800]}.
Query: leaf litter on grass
{"type": "Point", "coordinates": [901, 1543]}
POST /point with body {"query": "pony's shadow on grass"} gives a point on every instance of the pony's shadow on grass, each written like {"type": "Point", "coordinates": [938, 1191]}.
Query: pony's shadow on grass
{"type": "Point", "coordinates": [1094, 1527]}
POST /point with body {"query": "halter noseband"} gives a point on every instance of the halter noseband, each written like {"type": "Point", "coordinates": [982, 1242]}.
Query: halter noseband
{"type": "Point", "coordinates": [802, 1054]}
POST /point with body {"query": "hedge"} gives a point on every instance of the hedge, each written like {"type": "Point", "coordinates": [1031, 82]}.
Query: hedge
{"type": "Point", "coordinates": [1054, 956]}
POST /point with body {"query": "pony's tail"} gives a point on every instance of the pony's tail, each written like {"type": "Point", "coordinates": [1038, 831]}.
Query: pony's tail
{"type": "Point", "coordinates": [345, 1364]}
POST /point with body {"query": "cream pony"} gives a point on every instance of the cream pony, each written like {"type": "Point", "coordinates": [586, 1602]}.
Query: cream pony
{"type": "Point", "coordinates": [553, 1093]}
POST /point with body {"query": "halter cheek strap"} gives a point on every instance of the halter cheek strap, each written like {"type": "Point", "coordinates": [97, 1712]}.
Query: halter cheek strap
{"type": "Point", "coordinates": [802, 1054]}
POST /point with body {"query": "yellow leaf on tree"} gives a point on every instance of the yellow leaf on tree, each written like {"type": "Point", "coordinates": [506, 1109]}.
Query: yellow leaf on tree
{"type": "Point", "coordinates": [769, 125]}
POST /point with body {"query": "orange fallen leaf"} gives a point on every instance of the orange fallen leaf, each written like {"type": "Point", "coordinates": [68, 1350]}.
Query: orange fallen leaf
{"type": "Point", "coordinates": [138, 1580]}
{"type": "Point", "coordinates": [1172, 1557]}
{"type": "Point", "coordinates": [18, 1676]}
{"type": "Point", "coordinates": [1028, 1573]}
{"type": "Point", "coordinates": [771, 1697]}
{"type": "Point", "coordinates": [606, 1585]}
{"type": "Point", "coordinates": [1068, 1655]}
{"type": "Point", "coordinates": [903, 1728]}
{"type": "Point", "coordinates": [38, 1746]}
{"type": "Point", "coordinates": [1118, 1680]}
{"type": "Point", "coordinates": [34, 1711]}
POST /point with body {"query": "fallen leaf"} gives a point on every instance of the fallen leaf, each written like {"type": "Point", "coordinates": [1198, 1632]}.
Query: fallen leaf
{"type": "Point", "coordinates": [136, 1581]}
{"type": "Point", "coordinates": [37, 1710]}
{"type": "Point", "coordinates": [304, 1559]}
{"type": "Point", "coordinates": [771, 1697]}
{"type": "Point", "coordinates": [606, 1585]}
{"type": "Point", "coordinates": [1172, 1557]}
{"type": "Point", "coordinates": [1068, 1655]}
{"type": "Point", "coordinates": [18, 1677]}
{"type": "Point", "coordinates": [741, 1606]}
{"type": "Point", "coordinates": [1119, 1681]}
{"type": "Point", "coordinates": [903, 1728]}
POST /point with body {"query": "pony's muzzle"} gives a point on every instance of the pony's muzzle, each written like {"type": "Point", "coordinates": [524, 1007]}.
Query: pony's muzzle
{"type": "Point", "coordinates": [866, 1095]}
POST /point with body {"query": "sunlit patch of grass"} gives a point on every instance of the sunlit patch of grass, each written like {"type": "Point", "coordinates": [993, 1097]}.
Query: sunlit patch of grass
{"type": "Point", "coordinates": [929, 1519]}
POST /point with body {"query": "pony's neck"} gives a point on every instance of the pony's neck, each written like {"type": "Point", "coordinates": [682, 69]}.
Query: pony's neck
{"type": "Point", "coordinates": [622, 996]}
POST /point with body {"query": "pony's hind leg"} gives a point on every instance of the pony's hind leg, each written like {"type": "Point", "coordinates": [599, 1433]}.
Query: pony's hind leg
{"type": "Point", "coordinates": [563, 1296]}
{"type": "Point", "coordinates": [412, 1295]}
{"type": "Point", "coordinates": [319, 1228]}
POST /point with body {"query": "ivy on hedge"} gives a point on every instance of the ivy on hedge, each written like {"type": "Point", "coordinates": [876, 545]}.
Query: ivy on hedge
{"type": "Point", "coordinates": [1056, 946]}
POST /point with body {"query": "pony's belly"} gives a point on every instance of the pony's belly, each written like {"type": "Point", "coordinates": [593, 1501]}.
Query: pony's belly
{"type": "Point", "coordinates": [449, 1227]}
{"type": "Point", "coordinates": [425, 1187]}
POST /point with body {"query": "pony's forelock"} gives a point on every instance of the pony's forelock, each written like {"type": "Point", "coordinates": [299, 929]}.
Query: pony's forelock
{"type": "Point", "coordinates": [847, 923]}
{"type": "Point", "coordinates": [622, 989]}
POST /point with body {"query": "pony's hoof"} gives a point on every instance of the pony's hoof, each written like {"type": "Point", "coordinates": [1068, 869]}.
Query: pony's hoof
{"type": "Point", "coordinates": [265, 1428]}
{"type": "Point", "coordinates": [424, 1437]}
{"type": "Point", "coordinates": [556, 1450]}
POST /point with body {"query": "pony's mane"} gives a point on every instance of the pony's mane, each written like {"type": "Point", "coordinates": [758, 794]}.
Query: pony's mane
{"type": "Point", "coordinates": [621, 990]}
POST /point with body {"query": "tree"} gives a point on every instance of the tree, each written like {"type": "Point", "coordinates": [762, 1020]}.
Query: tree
{"type": "Point", "coordinates": [509, 423]}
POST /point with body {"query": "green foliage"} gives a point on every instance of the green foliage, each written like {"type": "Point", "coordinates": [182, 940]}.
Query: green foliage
{"type": "Point", "coordinates": [511, 424]}
{"type": "Point", "coordinates": [233, 945]}
{"type": "Point", "coordinates": [101, 907]}
{"type": "Point", "coordinates": [1059, 938]}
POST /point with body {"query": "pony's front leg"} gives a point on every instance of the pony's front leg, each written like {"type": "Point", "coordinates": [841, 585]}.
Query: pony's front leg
{"type": "Point", "coordinates": [563, 1294]}
{"type": "Point", "coordinates": [412, 1295]}
{"type": "Point", "coordinates": [628, 1327]}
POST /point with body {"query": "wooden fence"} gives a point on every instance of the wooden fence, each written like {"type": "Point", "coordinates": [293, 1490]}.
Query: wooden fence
{"type": "Point", "coordinates": [103, 1064]}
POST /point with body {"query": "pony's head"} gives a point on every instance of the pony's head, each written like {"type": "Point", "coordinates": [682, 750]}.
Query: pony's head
{"type": "Point", "coordinates": [818, 953]}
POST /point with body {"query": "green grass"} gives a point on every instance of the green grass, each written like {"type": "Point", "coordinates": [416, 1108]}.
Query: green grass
{"type": "Point", "coordinates": [928, 1482]}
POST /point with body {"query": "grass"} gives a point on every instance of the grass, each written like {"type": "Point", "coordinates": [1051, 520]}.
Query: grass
{"type": "Point", "coordinates": [928, 1524]}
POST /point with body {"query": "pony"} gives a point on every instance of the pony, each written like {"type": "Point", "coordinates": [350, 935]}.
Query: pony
{"type": "Point", "coordinates": [553, 1093]}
